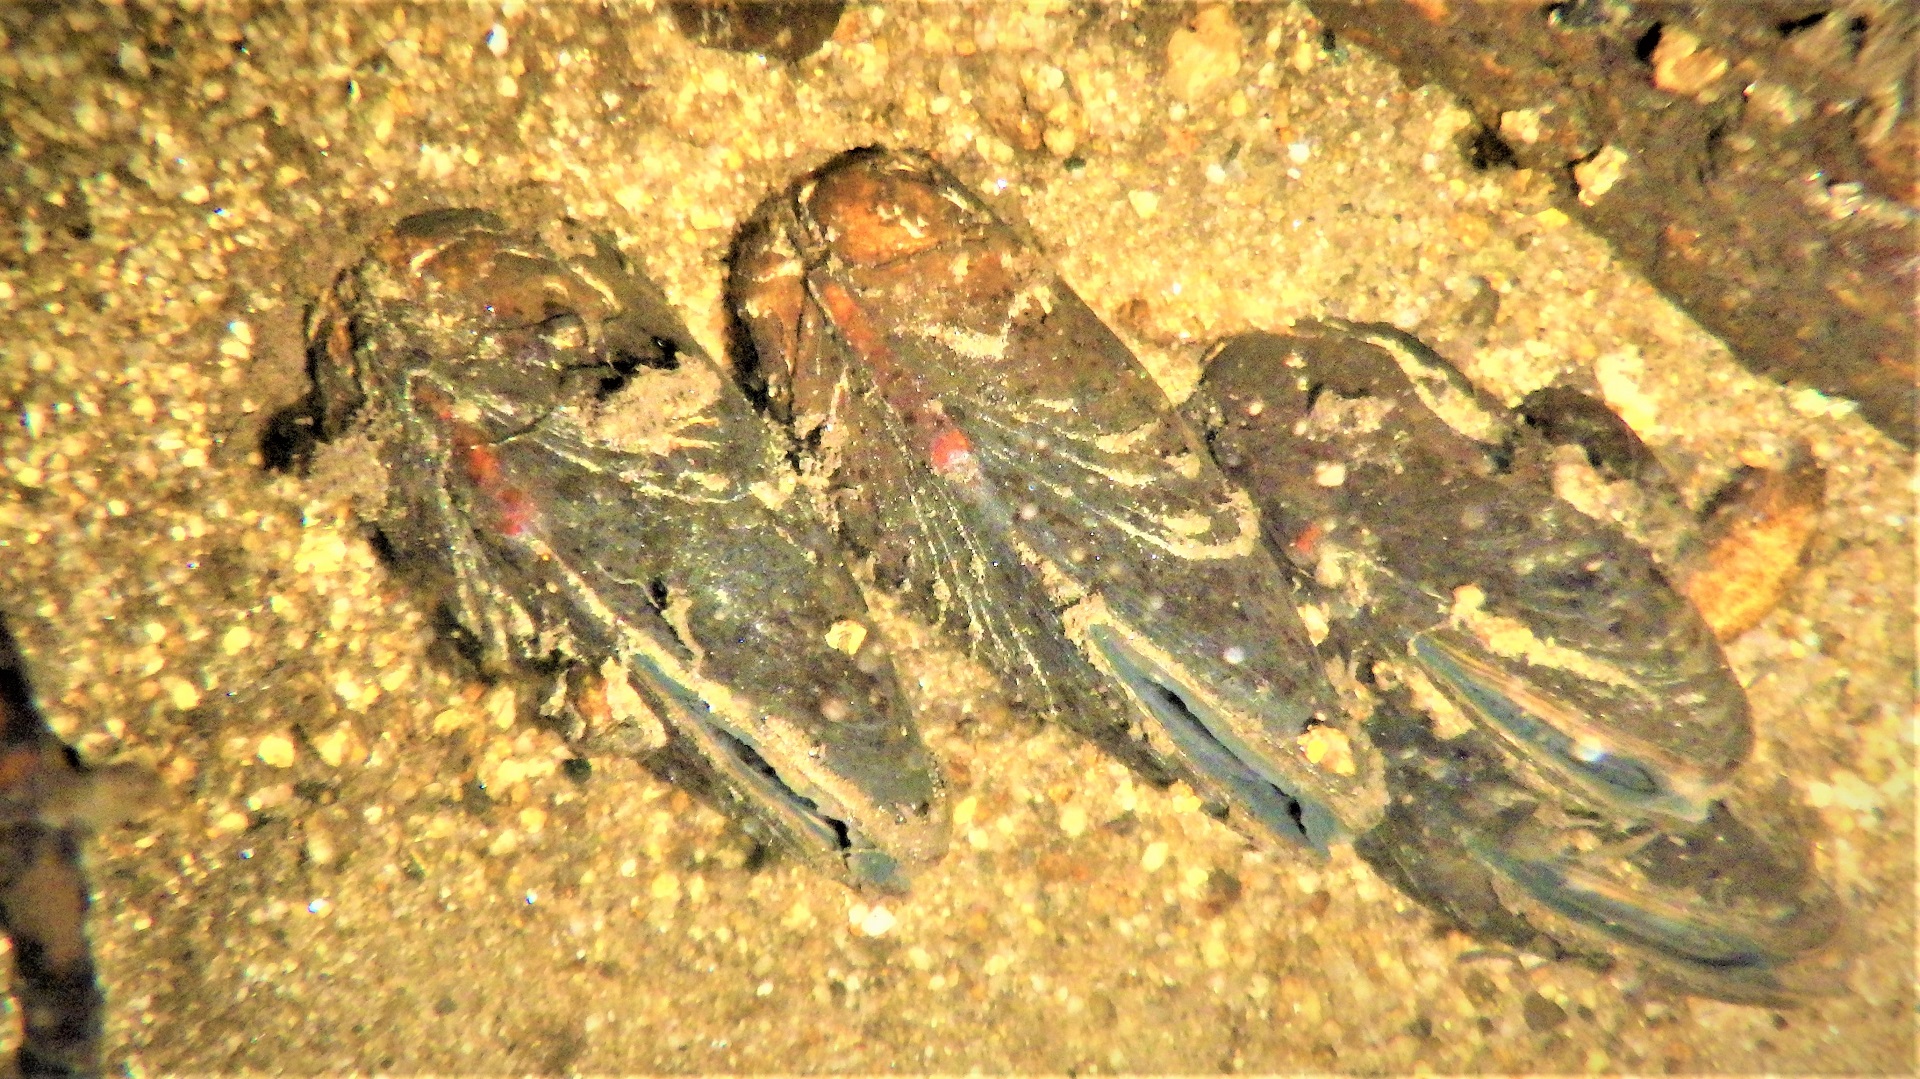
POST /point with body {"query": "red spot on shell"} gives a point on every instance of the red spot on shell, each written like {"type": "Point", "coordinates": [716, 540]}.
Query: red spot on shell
{"type": "Point", "coordinates": [513, 510]}
{"type": "Point", "coordinates": [436, 403]}
{"type": "Point", "coordinates": [950, 454]}
{"type": "Point", "coordinates": [478, 461]}
{"type": "Point", "coordinates": [1308, 539]}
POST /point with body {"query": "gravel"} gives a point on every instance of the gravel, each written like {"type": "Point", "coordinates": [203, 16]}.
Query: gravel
{"type": "Point", "coordinates": [368, 862]}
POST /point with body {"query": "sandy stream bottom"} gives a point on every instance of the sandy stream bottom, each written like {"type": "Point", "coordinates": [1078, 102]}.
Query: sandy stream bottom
{"type": "Point", "coordinates": [328, 888]}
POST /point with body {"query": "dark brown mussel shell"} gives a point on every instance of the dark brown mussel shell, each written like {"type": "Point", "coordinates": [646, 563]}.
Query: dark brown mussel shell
{"type": "Point", "coordinates": [1729, 907]}
{"type": "Point", "coordinates": [587, 490]}
{"type": "Point", "coordinates": [1580, 800]}
{"type": "Point", "coordinates": [996, 456]}
{"type": "Point", "coordinates": [1381, 474]}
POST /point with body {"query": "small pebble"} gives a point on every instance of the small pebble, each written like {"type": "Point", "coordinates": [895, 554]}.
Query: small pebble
{"type": "Point", "coordinates": [276, 751]}
{"type": "Point", "coordinates": [320, 849]}
{"type": "Point", "coordinates": [235, 640]}
{"type": "Point", "coordinates": [665, 886]}
{"type": "Point", "coordinates": [1073, 821]}
{"type": "Point", "coordinates": [1542, 1014]}
{"type": "Point", "coordinates": [1681, 66]}
{"type": "Point", "coordinates": [1597, 175]}
{"type": "Point", "coordinates": [1204, 56]}
{"type": "Point", "coordinates": [1328, 749]}
{"type": "Point", "coordinates": [331, 746]}
{"type": "Point", "coordinates": [846, 636]}
{"type": "Point", "coordinates": [181, 693]}
{"type": "Point", "coordinates": [877, 922]}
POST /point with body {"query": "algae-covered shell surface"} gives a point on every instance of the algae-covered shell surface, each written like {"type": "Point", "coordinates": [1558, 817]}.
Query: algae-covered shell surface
{"type": "Point", "coordinates": [372, 858]}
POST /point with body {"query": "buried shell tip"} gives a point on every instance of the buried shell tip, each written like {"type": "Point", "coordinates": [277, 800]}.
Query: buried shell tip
{"type": "Point", "coordinates": [1720, 908]}
{"type": "Point", "coordinates": [1730, 939]}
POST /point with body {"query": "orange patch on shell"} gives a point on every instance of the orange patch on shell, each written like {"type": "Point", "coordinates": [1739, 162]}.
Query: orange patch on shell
{"type": "Point", "coordinates": [875, 217]}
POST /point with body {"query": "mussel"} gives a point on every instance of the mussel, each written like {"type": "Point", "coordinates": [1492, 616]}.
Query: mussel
{"type": "Point", "coordinates": [1572, 788]}
{"type": "Point", "coordinates": [997, 457]}
{"type": "Point", "coordinates": [1380, 473]}
{"type": "Point", "coordinates": [589, 493]}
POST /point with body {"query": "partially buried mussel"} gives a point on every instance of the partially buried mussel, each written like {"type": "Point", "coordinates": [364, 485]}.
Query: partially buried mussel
{"type": "Point", "coordinates": [1378, 468]}
{"type": "Point", "coordinates": [999, 459]}
{"type": "Point", "coordinates": [1575, 788]}
{"type": "Point", "coordinates": [590, 494]}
